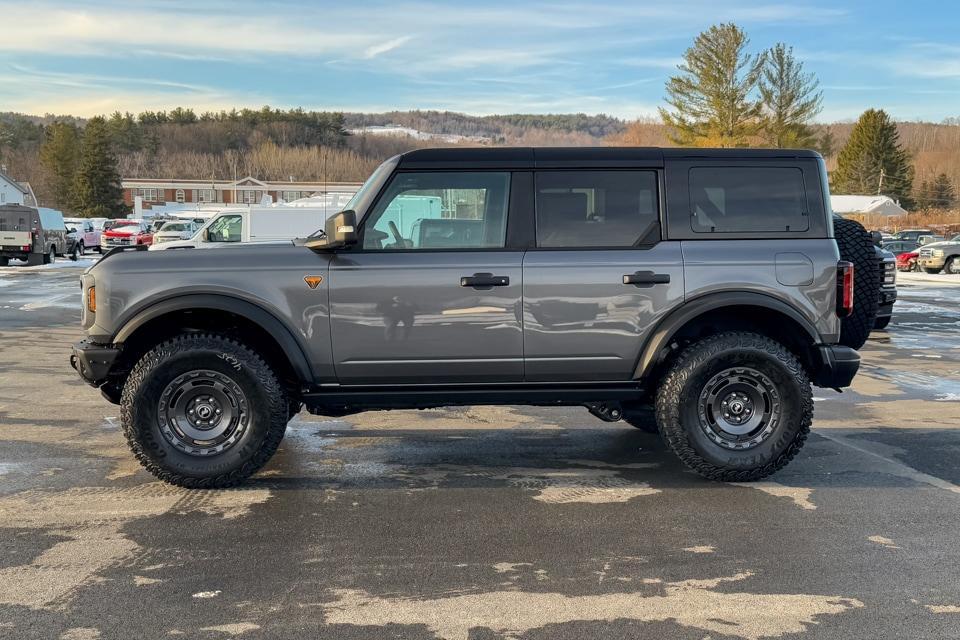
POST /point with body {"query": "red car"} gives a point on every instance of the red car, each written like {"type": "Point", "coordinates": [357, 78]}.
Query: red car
{"type": "Point", "coordinates": [126, 233]}
{"type": "Point", "coordinates": [907, 261]}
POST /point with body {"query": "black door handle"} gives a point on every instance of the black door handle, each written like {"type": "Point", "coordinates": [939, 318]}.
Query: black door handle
{"type": "Point", "coordinates": [646, 278]}
{"type": "Point", "coordinates": [484, 281]}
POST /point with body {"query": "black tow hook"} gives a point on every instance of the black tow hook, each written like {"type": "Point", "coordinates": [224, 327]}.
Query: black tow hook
{"type": "Point", "coordinates": [606, 411]}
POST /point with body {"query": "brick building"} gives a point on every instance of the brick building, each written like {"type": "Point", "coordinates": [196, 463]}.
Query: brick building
{"type": "Point", "coordinates": [249, 190]}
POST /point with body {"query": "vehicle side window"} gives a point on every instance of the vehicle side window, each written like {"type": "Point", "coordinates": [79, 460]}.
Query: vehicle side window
{"type": "Point", "coordinates": [440, 210]}
{"type": "Point", "coordinates": [226, 229]}
{"type": "Point", "coordinates": [747, 199]}
{"type": "Point", "coordinates": [595, 208]}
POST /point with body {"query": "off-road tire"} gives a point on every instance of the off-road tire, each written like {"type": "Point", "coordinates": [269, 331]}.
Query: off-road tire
{"type": "Point", "coordinates": [266, 400]}
{"type": "Point", "coordinates": [881, 323]}
{"type": "Point", "coordinates": [641, 417]}
{"type": "Point", "coordinates": [678, 399]}
{"type": "Point", "coordinates": [857, 246]}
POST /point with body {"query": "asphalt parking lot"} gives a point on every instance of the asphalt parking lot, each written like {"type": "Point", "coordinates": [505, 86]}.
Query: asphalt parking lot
{"type": "Point", "coordinates": [481, 523]}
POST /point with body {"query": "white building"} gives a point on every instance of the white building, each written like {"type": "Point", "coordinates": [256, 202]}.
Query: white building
{"type": "Point", "coordinates": [882, 205]}
{"type": "Point", "coordinates": [12, 192]}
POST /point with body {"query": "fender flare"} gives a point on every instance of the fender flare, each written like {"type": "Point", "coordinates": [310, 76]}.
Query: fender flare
{"type": "Point", "coordinates": [252, 312]}
{"type": "Point", "coordinates": [692, 309]}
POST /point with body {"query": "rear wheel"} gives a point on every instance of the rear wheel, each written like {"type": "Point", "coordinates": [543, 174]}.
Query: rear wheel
{"type": "Point", "coordinates": [735, 407]}
{"type": "Point", "coordinates": [203, 410]}
{"type": "Point", "coordinates": [857, 246]}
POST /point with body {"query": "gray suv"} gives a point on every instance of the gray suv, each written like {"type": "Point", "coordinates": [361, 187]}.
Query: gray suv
{"type": "Point", "coordinates": [696, 292]}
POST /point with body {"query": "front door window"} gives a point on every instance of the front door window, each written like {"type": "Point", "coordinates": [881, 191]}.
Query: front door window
{"type": "Point", "coordinates": [440, 210]}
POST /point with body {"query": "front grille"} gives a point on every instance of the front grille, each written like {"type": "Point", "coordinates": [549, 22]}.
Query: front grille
{"type": "Point", "coordinates": [926, 253]}
{"type": "Point", "coordinates": [888, 272]}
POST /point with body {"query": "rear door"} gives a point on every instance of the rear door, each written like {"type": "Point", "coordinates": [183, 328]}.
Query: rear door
{"type": "Point", "coordinates": [599, 278]}
{"type": "Point", "coordinates": [431, 295]}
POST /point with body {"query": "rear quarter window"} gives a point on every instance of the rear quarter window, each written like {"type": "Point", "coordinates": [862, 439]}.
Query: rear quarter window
{"type": "Point", "coordinates": [747, 200]}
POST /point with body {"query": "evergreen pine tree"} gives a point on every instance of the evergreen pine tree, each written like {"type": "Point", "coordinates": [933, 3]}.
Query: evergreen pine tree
{"type": "Point", "coordinates": [59, 155]}
{"type": "Point", "coordinates": [97, 189]}
{"type": "Point", "coordinates": [942, 194]}
{"type": "Point", "coordinates": [711, 98]}
{"type": "Point", "coordinates": [790, 100]}
{"type": "Point", "coordinates": [873, 161]}
{"type": "Point", "coordinates": [921, 196]}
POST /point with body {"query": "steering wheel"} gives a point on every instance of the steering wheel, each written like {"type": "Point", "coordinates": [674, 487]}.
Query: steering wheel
{"type": "Point", "coordinates": [395, 232]}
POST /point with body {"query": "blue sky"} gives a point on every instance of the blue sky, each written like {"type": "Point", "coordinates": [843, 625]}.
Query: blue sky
{"type": "Point", "coordinates": [483, 57]}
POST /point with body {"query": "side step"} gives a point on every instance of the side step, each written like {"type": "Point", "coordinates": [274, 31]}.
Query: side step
{"type": "Point", "coordinates": [360, 398]}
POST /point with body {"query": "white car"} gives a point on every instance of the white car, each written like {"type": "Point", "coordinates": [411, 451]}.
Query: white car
{"type": "Point", "coordinates": [87, 235]}
{"type": "Point", "coordinates": [176, 230]}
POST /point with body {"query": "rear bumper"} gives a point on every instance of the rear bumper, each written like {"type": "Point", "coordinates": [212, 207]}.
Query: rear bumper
{"type": "Point", "coordinates": [93, 361]}
{"type": "Point", "coordinates": [838, 365]}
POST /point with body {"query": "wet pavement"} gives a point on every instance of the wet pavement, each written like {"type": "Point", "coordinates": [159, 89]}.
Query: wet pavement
{"type": "Point", "coordinates": [483, 522]}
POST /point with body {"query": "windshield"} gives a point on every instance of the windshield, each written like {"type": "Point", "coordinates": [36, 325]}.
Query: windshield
{"type": "Point", "coordinates": [174, 226]}
{"type": "Point", "coordinates": [361, 199]}
{"type": "Point", "coordinates": [128, 228]}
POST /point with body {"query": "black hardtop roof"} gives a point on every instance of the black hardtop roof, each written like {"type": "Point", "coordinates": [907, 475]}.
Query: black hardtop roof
{"type": "Point", "coordinates": [535, 157]}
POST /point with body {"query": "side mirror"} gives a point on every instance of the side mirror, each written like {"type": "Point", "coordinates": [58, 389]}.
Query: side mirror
{"type": "Point", "coordinates": [877, 238]}
{"type": "Point", "coordinates": [339, 231]}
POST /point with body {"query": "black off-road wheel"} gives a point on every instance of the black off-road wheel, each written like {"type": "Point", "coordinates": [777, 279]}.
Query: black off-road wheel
{"type": "Point", "coordinates": [735, 407]}
{"type": "Point", "coordinates": [857, 246]}
{"type": "Point", "coordinates": [203, 411]}
{"type": "Point", "coordinates": [641, 417]}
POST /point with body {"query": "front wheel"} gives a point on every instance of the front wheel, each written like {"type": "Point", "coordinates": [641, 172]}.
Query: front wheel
{"type": "Point", "coordinates": [202, 410]}
{"type": "Point", "coordinates": [735, 406]}
{"type": "Point", "coordinates": [952, 266]}
{"type": "Point", "coordinates": [931, 271]}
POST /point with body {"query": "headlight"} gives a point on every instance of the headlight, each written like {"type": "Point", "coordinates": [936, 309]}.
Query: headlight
{"type": "Point", "coordinates": [938, 253]}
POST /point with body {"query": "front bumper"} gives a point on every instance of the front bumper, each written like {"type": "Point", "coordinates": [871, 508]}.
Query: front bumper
{"type": "Point", "coordinates": [885, 303]}
{"type": "Point", "coordinates": [93, 361]}
{"type": "Point", "coordinates": [932, 262]}
{"type": "Point", "coordinates": [838, 366]}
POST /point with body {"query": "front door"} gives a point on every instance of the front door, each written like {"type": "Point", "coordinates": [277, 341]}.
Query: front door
{"type": "Point", "coordinates": [599, 279]}
{"type": "Point", "coordinates": [432, 293]}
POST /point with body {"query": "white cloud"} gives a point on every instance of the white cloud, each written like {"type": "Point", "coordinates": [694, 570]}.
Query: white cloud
{"type": "Point", "coordinates": [389, 45]}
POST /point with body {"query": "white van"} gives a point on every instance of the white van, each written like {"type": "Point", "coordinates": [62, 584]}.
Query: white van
{"type": "Point", "coordinates": [253, 224]}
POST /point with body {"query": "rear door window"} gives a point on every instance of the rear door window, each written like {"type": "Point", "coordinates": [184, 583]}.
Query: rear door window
{"type": "Point", "coordinates": [580, 209]}
{"type": "Point", "coordinates": [747, 199]}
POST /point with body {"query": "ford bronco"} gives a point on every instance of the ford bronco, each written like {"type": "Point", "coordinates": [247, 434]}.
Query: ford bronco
{"type": "Point", "coordinates": [696, 292]}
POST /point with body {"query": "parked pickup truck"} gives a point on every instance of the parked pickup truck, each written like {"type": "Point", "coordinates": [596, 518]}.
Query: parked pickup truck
{"type": "Point", "coordinates": [941, 256]}
{"type": "Point", "coordinates": [709, 288]}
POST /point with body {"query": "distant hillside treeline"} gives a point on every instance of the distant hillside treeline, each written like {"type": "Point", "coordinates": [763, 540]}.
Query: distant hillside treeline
{"type": "Point", "coordinates": [275, 144]}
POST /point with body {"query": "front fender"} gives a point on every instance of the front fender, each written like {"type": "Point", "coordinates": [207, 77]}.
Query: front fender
{"type": "Point", "coordinates": [291, 347]}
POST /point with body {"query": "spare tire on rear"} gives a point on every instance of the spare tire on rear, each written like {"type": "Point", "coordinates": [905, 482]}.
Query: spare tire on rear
{"type": "Point", "coordinates": [857, 246]}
